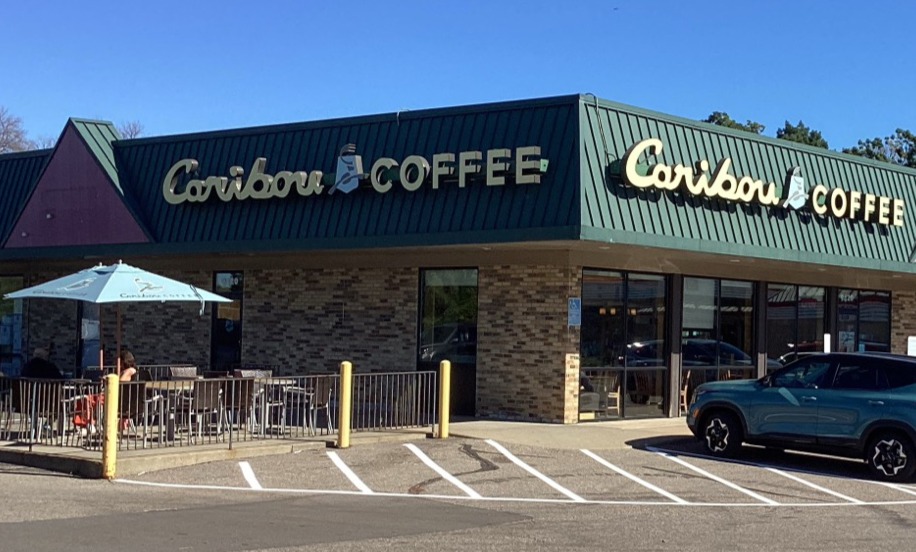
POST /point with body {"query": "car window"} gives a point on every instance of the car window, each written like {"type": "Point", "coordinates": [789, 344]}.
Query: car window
{"type": "Point", "coordinates": [856, 374]}
{"type": "Point", "coordinates": [899, 374]}
{"type": "Point", "coordinates": [804, 373]}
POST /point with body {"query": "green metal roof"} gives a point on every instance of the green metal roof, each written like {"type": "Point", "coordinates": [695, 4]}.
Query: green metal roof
{"type": "Point", "coordinates": [613, 211]}
{"type": "Point", "coordinates": [19, 173]}
{"type": "Point", "coordinates": [581, 195]}
{"type": "Point", "coordinates": [98, 136]}
{"type": "Point", "coordinates": [366, 218]}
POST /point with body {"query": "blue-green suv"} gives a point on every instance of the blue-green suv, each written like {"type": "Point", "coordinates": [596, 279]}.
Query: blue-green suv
{"type": "Point", "coordinates": [855, 405]}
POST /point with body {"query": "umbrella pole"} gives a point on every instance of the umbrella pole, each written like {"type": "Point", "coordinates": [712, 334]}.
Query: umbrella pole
{"type": "Point", "coordinates": [118, 335]}
{"type": "Point", "coordinates": [101, 344]}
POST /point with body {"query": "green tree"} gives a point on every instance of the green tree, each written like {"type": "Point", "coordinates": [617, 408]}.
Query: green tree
{"type": "Point", "coordinates": [802, 134]}
{"type": "Point", "coordinates": [721, 118]}
{"type": "Point", "coordinates": [898, 148]}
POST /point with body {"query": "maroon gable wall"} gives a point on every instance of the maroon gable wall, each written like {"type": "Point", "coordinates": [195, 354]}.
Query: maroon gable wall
{"type": "Point", "coordinates": [74, 203]}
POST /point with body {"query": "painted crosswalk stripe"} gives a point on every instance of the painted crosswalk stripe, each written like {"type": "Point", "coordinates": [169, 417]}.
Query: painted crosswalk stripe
{"type": "Point", "coordinates": [249, 475]}
{"type": "Point", "coordinates": [814, 486]}
{"type": "Point", "coordinates": [357, 482]}
{"type": "Point", "coordinates": [727, 483]}
{"type": "Point", "coordinates": [632, 477]}
{"type": "Point", "coordinates": [444, 474]}
{"type": "Point", "coordinates": [534, 472]}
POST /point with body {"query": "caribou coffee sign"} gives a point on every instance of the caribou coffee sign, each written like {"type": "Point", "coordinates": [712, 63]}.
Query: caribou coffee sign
{"type": "Point", "coordinates": [495, 166]}
{"type": "Point", "coordinates": [792, 194]}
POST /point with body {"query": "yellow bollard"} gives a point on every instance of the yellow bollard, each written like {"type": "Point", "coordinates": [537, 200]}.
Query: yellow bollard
{"type": "Point", "coordinates": [343, 416]}
{"type": "Point", "coordinates": [110, 444]}
{"type": "Point", "coordinates": [445, 383]}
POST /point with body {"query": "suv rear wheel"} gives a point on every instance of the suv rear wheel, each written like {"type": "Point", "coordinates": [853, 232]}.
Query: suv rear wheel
{"type": "Point", "coordinates": [890, 457]}
{"type": "Point", "coordinates": [722, 433]}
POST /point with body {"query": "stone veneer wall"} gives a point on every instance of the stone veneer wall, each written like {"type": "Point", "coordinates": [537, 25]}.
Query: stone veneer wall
{"type": "Point", "coordinates": [310, 320]}
{"type": "Point", "coordinates": [523, 340]}
{"type": "Point", "coordinates": [903, 319]}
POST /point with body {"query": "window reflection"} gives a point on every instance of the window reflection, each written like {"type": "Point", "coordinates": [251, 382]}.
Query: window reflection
{"type": "Point", "coordinates": [622, 344]}
{"type": "Point", "coordinates": [795, 321]}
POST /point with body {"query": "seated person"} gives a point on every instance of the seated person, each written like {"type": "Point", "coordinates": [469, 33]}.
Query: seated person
{"type": "Point", "coordinates": [40, 367]}
{"type": "Point", "coordinates": [128, 366]}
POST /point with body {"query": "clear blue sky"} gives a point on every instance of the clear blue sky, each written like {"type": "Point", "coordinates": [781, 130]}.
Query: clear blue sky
{"type": "Point", "coordinates": [845, 68]}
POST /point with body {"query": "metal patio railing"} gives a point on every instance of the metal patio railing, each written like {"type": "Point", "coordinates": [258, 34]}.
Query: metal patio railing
{"type": "Point", "coordinates": [182, 412]}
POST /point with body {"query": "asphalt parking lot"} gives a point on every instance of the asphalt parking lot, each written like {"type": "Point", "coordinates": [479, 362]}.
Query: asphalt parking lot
{"type": "Point", "coordinates": [673, 472]}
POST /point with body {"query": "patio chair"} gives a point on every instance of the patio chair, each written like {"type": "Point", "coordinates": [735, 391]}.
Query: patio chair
{"type": "Point", "coordinates": [137, 405]}
{"type": "Point", "coordinates": [321, 401]}
{"type": "Point", "coordinates": [6, 406]}
{"type": "Point", "coordinates": [685, 385]}
{"type": "Point", "coordinates": [269, 403]}
{"type": "Point", "coordinates": [611, 392]}
{"type": "Point", "coordinates": [182, 372]}
{"type": "Point", "coordinates": [202, 406]}
{"type": "Point", "coordinates": [39, 405]}
{"type": "Point", "coordinates": [240, 397]}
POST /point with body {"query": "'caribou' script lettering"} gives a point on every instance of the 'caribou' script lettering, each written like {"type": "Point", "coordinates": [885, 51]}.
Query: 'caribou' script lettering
{"type": "Point", "coordinates": [721, 184]}
{"type": "Point", "coordinates": [258, 185]}
{"type": "Point", "coordinates": [836, 202]}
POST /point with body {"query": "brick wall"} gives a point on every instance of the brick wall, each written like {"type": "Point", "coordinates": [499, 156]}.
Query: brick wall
{"type": "Point", "coordinates": [311, 320]}
{"type": "Point", "coordinates": [522, 344]}
{"type": "Point", "coordinates": [157, 333]}
{"type": "Point", "coordinates": [903, 319]}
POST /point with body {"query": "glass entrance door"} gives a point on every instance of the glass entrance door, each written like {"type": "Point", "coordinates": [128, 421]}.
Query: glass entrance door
{"type": "Point", "coordinates": [448, 331]}
{"type": "Point", "coordinates": [226, 334]}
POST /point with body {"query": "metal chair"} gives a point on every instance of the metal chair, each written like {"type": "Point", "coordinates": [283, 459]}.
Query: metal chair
{"type": "Point", "coordinates": [182, 372]}
{"type": "Point", "coordinates": [321, 400]}
{"type": "Point", "coordinates": [201, 405]}
{"type": "Point", "coordinates": [685, 384]}
{"type": "Point", "coordinates": [136, 404]}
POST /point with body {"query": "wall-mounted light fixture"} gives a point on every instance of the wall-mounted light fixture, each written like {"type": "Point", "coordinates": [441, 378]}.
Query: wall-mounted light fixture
{"type": "Point", "coordinates": [49, 215]}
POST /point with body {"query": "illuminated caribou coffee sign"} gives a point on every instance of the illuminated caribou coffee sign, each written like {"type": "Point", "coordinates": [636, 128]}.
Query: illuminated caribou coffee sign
{"type": "Point", "coordinates": [720, 183]}
{"type": "Point", "coordinates": [496, 167]}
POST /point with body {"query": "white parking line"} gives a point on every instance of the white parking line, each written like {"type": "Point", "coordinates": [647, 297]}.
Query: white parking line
{"type": "Point", "coordinates": [534, 472]}
{"type": "Point", "coordinates": [896, 486]}
{"type": "Point", "coordinates": [438, 469]}
{"type": "Point", "coordinates": [250, 477]}
{"type": "Point", "coordinates": [357, 482]}
{"type": "Point", "coordinates": [813, 486]}
{"type": "Point", "coordinates": [727, 483]}
{"type": "Point", "coordinates": [632, 477]}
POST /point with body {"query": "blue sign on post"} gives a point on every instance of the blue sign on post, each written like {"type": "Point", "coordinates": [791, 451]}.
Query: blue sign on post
{"type": "Point", "coordinates": [575, 312]}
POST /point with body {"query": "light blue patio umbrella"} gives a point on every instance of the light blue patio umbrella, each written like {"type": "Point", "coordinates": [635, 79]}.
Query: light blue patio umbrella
{"type": "Point", "coordinates": [117, 283]}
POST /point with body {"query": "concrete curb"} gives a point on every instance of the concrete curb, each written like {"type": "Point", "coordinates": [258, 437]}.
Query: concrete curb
{"type": "Point", "coordinates": [62, 463]}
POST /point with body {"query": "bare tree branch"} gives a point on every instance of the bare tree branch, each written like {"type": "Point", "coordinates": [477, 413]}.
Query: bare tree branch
{"type": "Point", "coordinates": [130, 129]}
{"type": "Point", "coordinates": [12, 135]}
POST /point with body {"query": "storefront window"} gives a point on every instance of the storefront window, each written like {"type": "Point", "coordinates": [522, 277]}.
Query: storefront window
{"type": "Point", "coordinates": [864, 320]}
{"type": "Point", "coordinates": [718, 331]}
{"type": "Point", "coordinates": [11, 354]}
{"type": "Point", "coordinates": [795, 322]}
{"type": "Point", "coordinates": [622, 343]}
{"type": "Point", "coordinates": [448, 331]}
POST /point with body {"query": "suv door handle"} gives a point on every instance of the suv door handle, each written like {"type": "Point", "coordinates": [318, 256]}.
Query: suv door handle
{"type": "Point", "coordinates": [809, 399]}
{"type": "Point", "coordinates": [875, 403]}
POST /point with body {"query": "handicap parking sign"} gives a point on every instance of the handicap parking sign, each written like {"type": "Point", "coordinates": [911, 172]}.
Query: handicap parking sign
{"type": "Point", "coordinates": [574, 314]}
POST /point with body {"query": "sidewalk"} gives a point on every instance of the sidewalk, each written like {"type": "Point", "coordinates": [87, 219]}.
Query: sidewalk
{"type": "Point", "coordinates": [590, 435]}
